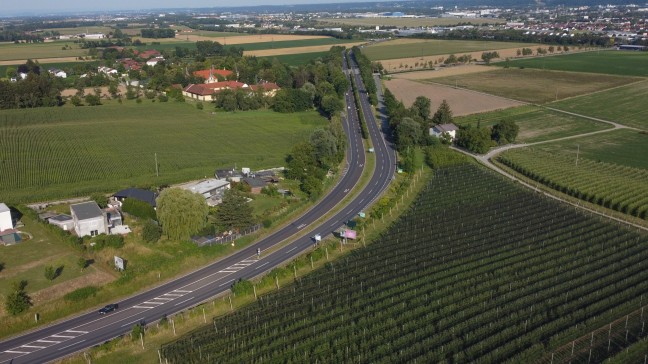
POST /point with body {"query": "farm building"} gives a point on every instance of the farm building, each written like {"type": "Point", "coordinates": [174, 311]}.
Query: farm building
{"type": "Point", "coordinates": [205, 91]}
{"type": "Point", "coordinates": [441, 129]}
{"type": "Point", "coordinates": [213, 75]}
{"type": "Point", "coordinates": [268, 88]}
{"type": "Point", "coordinates": [6, 222]}
{"type": "Point", "coordinates": [231, 175]}
{"type": "Point", "coordinates": [211, 189]}
{"type": "Point", "coordinates": [65, 222]}
{"type": "Point", "coordinates": [136, 193]}
{"type": "Point", "coordinates": [256, 184]}
{"type": "Point", "coordinates": [154, 61]}
{"type": "Point", "coordinates": [88, 219]}
{"type": "Point", "coordinates": [57, 73]}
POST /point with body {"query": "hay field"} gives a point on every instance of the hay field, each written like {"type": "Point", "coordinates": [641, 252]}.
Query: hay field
{"type": "Point", "coordinates": [442, 72]}
{"type": "Point", "coordinates": [408, 22]}
{"type": "Point", "coordinates": [407, 91]}
{"type": "Point", "coordinates": [18, 52]}
{"type": "Point", "coordinates": [535, 86]}
{"type": "Point", "coordinates": [296, 50]}
{"type": "Point", "coordinates": [407, 48]}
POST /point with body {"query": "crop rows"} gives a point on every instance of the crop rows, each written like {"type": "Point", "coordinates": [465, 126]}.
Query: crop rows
{"type": "Point", "coordinates": [610, 185]}
{"type": "Point", "coordinates": [477, 270]}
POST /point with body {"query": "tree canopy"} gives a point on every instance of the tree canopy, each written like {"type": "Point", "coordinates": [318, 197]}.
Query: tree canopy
{"type": "Point", "coordinates": [505, 131]}
{"type": "Point", "coordinates": [234, 213]}
{"type": "Point", "coordinates": [17, 300]}
{"type": "Point", "coordinates": [443, 115]}
{"type": "Point", "coordinates": [181, 213]}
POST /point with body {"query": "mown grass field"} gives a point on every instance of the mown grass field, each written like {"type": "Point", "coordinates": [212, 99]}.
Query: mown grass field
{"type": "Point", "coordinates": [608, 169]}
{"type": "Point", "coordinates": [611, 62]}
{"type": "Point", "coordinates": [626, 105]}
{"type": "Point", "coordinates": [297, 59]}
{"type": "Point", "coordinates": [536, 123]}
{"type": "Point", "coordinates": [535, 86]}
{"type": "Point", "coordinates": [63, 152]}
{"type": "Point", "coordinates": [403, 48]}
{"type": "Point", "coordinates": [478, 270]}
{"type": "Point", "coordinates": [408, 22]}
{"type": "Point", "coordinates": [11, 51]}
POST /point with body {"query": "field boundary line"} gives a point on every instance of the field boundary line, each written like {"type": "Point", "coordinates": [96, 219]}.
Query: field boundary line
{"type": "Point", "coordinates": [599, 91]}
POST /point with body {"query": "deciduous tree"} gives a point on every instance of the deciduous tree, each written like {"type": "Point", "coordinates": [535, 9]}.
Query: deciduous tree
{"type": "Point", "coordinates": [181, 213]}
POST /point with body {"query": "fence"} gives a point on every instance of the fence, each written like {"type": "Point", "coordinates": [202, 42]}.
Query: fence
{"type": "Point", "coordinates": [223, 239]}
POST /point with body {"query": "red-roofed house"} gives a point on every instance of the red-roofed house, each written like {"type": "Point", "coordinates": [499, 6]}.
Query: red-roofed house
{"type": "Point", "coordinates": [205, 91]}
{"type": "Point", "coordinates": [212, 75]}
{"type": "Point", "coordinates": [269, 88]}
{"type": "Point", "coordinates": [130, 64]}
{"type": "Point", "coordinates": [147, 54]}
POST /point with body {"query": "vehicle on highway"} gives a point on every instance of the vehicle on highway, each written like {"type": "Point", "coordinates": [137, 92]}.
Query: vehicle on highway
{"type": "Point", "coordinates": [108, 308]}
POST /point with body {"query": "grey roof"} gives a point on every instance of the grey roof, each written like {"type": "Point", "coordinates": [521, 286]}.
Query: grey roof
{"type": "Point", "coordinates": [3, 207]}
{"type": "Point", "coordinates": [444, 128]}
{"type": "Point", "coordinates": [61, 218]}
{"type": "Point", "coordinates": [227, 173]}
{"type": "Point", "coordinates": [138, 194]}
{"type": "Point", "coordinates": [86, 210]}
{"type": "Point", "coordinates": [254, 182]}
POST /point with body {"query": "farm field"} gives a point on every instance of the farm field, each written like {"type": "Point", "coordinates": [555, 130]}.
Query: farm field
{"type": "Point", "coordinates": [83, 29]}
{"type": "Point", "coordinates": [611, 62]}
{"type": "Point", "coordinates": [408, 22]}
{"type": "Point", "coordinates": [464, 276]}
{"type": "Point", "coordinates": [239, 38]}
{"type": "Point", "coordinates": [23, 51]}
{"type": "Point", "coordinates": [298, 58]}
{"type": "Point", "coordinates": [296, 50]}
{"type": "Point", "coordinates": [625, 105]}
{"type": "Point", "coordinates": [404, 48]}
{"type": "Point", "coordinates": [612, 169]}
{"type": "Point", "coordinates": [115, 146]}
{"type": "Point", "coordinates": [442, 72]}
{"type": "Point", "coordinates": [407, 91]}
{"type": "Point", "coordinates": [297, 44]}
{"type": "Point", "coordinates": [536, 124]}
{"type": "Point", "coordinates": [534, 86]}
{"type": "Point", "coordinates": [46, 65]}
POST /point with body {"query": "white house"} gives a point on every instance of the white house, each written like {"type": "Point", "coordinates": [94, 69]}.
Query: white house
{"type": "Point", "coordinates": [441, 129]}
{"type": "Point", "coordinates": [154, 61]}
{"type": "Point", "coordinates": [6, 223]}
{"type": "Point", "coordinates": [58, 73]}
{"type": "Point", "coordinates": [88, 219]}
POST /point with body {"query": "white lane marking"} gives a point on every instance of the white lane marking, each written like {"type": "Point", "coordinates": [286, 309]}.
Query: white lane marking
{"type": "Point", "coordinates": [145, 307]}
{"type": "Point", "coordinates": [81, 332]}
{"type": "Point", "coordinates": [17, 352]}
{"type": "Point", "coordinates": [261, 265]}
{"type": "Point", "coordinates": [47, 341]}
{"type": "Point", "coordinates": [181, 302]}
{"type": "Point", "coordinates": [347, 190]}
{"type": "Point", "coordinates": [300, 226]}
{"type": "Point", "coordinates": [291, 250]}
{"type": "Point", "coordinates": [33, 346]}
{"type": "Point", "coordinates": [132, 322]}
{"type": "Point", "coordinates": [250, 261]}
{"type": "Point", "coordinates": [227, 271]}
{"type": "Point", "coordinates": [65, 336]}
{"type": "Point", "coordinates": [78, 342]}
{"type": "Point", "coordinates": [174, 294]}
{"type": "Point", "coordinates": [231, 280]}
{"type": "Point", "coordinates": [164, 298]}
{"type": "Point", "coordinates": [243, 265]}
{"type": "Point", "coordinates": [182, 290]}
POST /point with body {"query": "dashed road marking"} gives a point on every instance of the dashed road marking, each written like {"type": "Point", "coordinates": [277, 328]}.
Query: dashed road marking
{"type": "Point", "coordinates": [33, 346]}
{"type": "Point", "coordinates": [47, 341]}
{"type": "Point", "coordinates": [80, 332]}
{"type": "Point", "coordinates": [17, 352]}
{"type": "Point", "coordinates": [65, 336]}
{"type": "Point", "coordinates": [145, 307]}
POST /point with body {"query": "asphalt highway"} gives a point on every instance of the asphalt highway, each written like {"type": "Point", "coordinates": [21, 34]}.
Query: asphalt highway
{"type": "Point", "coordinates": [89, 329]}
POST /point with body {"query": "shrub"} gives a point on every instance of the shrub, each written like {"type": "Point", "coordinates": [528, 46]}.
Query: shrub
{"type": "Point", "coordinates": [81, 294]}
{"type": "Point", "coordinates": [108, 241]}
{"type": "Point", "coordinates": [151, 232]}
{"type": "Point", "coordinates": [139, 209]}
{"type": "Point", "coordinates": [242, 287]}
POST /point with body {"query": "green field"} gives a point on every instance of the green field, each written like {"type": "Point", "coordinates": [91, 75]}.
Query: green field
{"type": "Point", "coordinates": [51, 153]}
{"type": "Point", "coordinates": [46, 66]}
{"type": "Point", "coordinates": [22, 51]}
{"type": "Point", "coordinates": [294, 43]}
{"type": "Point", "coordinates": [82, 29]}
{"type": "Point", "coordinates": [611, 169]}
{"type": "Point", "coordinates": [478, 270]}
{"type": "Point", "coordinates": [404, 48]}
{"type": "Point", "coordinates": [209, 33]}
{"type": "Point", "coordinates": [536, 123]}
{"type": "Point", "coordinates": [535, 86]}
{"type": "Point", "coordinates": [165, 45]}
{"type": "Point", "coordinates": [626, 105]}
{"type": "Point", "coordinates": [298, 59]}
{"type": "Point", "coordinates": [612, 62]}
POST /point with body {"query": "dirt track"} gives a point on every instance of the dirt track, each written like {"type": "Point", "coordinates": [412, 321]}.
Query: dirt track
{"type": "Point", "coordinates": [462, 102]}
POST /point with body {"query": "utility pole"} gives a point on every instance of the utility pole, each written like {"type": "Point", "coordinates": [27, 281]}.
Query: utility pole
{"type": "Point", "coordinates": [157, 171]}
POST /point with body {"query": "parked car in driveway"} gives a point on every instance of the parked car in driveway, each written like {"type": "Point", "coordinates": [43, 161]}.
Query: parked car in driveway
{"type": "Point", "coordinates": [108, 308]}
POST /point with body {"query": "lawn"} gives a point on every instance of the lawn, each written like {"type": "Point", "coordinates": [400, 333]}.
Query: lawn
{"type": "Point", "coordinates": [535, 86]}
{"type": "Point", "coordinates": [403, 48]}
{"type": "Point", "coordinates": [536, 123]}
{"type": "Point", "coordinates": [626, 105]}
{"type": "Point", "coordinates": [51, 153]}
{"type": "Point", "coordinates": [22, 51]}
{"type": "Point", "coordinates": [625, 63]}
{"type": "Point", "coordinates": [297, 59]}
{"type": "Point", "coordinates": [608, 169]}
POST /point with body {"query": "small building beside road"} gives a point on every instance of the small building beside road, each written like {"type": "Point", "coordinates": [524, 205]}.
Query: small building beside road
{"type": "Point", "coordinates": [88, 218]}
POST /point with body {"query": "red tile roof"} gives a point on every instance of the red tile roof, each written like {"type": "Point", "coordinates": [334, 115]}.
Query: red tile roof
{"type": "Point", "coordinates": [219, 74]}
{"type": "Point", "coordinates": [146, 54]}
{"type": "Point", "coordinates": [206, 89]}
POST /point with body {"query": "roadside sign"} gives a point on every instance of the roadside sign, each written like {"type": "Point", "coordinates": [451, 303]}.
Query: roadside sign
{"type": "Point", "coordinates": [119, 263]}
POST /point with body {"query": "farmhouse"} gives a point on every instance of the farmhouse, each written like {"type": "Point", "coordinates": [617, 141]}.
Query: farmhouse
{"type": "Point", "coordinates": [130, 64]}
{"type": "Point", "coordinates": [6, 223]}
{"type": "Point", "coordinates": [211, 189]}
{"type": "Point", "coordinates": [447, 129]}
{"type": "Point", "coordinates": [88, 219]}
{"type": "Point", "coordinates": [136, 193]}
{"type": "Point", "coordinates": [256, 184]}
{"type": "Point", "coordinates": [213, 75]}
{"type": "Point", "coordinates": [205, 91]}
{"type": "Point", "coordinates": [57, 73]}
{"type": "Point", "coordinates": [268, 88]}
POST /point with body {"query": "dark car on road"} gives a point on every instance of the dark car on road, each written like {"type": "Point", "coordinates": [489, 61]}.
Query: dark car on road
{"type": "Point", "coordinates": [108, 308]}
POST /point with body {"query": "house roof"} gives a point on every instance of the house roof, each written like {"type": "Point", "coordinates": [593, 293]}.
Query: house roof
{"type": "Point", "coordinates": [86, 210]}
{"type": "Point", "coordinates": [138, 194]}
{"type": "Point", "coordinates": [254, 182]}
{"type": "Point", "coordinates": [205, 186]}
{"type": "Point", "coordinates": [265, 86]}
{"type": "Point", "coordinates": [61, 218]}
{"type": "Point", "coordinates": [225, 173]}
{"type": "Point", "coordinates": [146, 54]}
{"type": "Point", "coordinates": [213, 72]}
{"type": "Point", "coordinates": [205, 89]}
{"type": "Point", "coordinates": [445, 128]}
{"type": "Point", "coordinates": [4, 208]}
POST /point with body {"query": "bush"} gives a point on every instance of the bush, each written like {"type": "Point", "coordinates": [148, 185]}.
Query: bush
{"type": "Point", "coordinates": [242, 288]}
{"type": "Point", "coordinates": [108, 241]}
{"type": "Point", "coordinates": [139, 209]}
{"type": "Point", "coordinates": [151, 232]}
{"type": "Point", "coordinates": [199, 106]}
{"type": "Point", "coordinates": [81, 294]}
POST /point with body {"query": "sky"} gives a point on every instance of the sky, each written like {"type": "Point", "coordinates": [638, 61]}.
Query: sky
{"type": "Point", "coordinates": [49, 6]}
